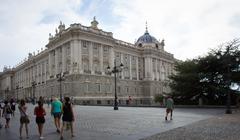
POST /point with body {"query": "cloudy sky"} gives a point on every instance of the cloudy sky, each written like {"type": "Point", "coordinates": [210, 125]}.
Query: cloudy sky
{"type": "Point", "coordinates": [190, 27]}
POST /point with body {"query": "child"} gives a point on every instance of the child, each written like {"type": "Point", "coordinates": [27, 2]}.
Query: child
{"type": "Point", "coordinates": [40, 112]}
{"type": "Point", "coordinates": [7, 113]}
{"type": "Point", "coordinates": [68, 116]}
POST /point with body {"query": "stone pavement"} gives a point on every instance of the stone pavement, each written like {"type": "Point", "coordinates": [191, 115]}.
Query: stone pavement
{"type": "Point", "coordinates": [225, 127]}
{"type": "Point", "coordinates": [104, 123]}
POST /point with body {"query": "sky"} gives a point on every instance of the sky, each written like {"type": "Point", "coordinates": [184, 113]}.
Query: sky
{"type": "Point", "coordinates": [190, 28]}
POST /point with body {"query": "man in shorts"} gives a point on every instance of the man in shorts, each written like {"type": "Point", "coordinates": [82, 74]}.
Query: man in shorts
{"type": "Point", "coordinates": [56, 111]}
{"type": "Point", "coordinates": [169, 107]}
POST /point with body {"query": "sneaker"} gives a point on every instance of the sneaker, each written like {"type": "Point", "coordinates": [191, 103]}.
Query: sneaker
{"type": "Point", "coordinates": [61, 138]}
{"type": "Point", "coordinates": [166, 118]}
{"type": "Point", "coordinates": [41, 138]}
{"type": "Point", "coordinates": [27, 137]}
{"type": "Point", "coordinates": [58, 130]}
{"type": "Point", "coordinates": [20, 137]}
{"type": "Point", "coordinates": [73, 135]}
{"type": "Point", "coordinates": [171, 119]}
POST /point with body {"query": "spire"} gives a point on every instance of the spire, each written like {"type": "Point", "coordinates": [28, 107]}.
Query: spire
{"type": "Point", "coordinates": [146, 28]}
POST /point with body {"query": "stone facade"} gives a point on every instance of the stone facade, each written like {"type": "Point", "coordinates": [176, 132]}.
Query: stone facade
{"type": "Point", "coordinates": [83, 54]}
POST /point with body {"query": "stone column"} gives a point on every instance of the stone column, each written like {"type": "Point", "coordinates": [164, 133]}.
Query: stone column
{"type": "Point", "coordinates": [41, 72]}
{"type": "Point", "coordinates": [111, 63]}
{"type": "Point", "coordinates": [148, 68]}
{"type": "Point", "coordinates": [56, 61]}
{"type": "Point", "coordinates": [49, 64]}
{"type": "Point", "coordinates": [79, 43]}
{"type": "Point", "coordinates": [161, 69]}
{"type": "Point", "coordinates": [37, 72]}
{"type": "Point", "coordinates": [45, 67]}
{"type": "Point", "coordinates": [63, 58]}
{"type": "Point", "coordinates": [75, 44]}
{"type": "Point", "coordinates": [137, 68]}
{"type": "Point", "coordinates": [122, 73]}
{"type": "Point", "coordinates": [101, 60]}
{"type": "Point", "coordinates": [91, 58]}
{"type": "Point", "coordinates": [155, 75]}
{"type": "Point", "coordinates": [71, 56]}
{"type": "Point", "coordinates": [130, 67]}
{"type": "Point", "coordinates": [157, 70]}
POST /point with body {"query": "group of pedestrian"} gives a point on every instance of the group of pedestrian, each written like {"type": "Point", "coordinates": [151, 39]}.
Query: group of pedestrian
{"type": "Point", "coordinates": [59, 111]}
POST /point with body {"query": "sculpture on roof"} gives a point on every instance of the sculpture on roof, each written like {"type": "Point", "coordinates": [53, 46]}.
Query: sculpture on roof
{"type": "Point", "coordinates": [94, 23]}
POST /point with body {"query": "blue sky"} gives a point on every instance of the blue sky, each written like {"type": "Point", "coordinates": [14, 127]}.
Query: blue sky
{"type": "Point", "coordinates": [190, 28]}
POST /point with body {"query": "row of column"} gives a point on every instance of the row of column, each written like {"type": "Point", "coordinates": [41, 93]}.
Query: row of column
{"type": "Point", "coordinates": [76, 59]}
{"type": "Point", "coordinates": [161, 69]}
{"type": "Point", "coordinates": [36, 72]}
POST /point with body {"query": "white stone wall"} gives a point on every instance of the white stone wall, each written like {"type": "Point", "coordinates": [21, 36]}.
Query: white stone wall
{"type": "Point", "coordinates": [83, 55]}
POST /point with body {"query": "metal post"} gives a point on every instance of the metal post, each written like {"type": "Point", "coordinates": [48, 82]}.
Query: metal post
{"type": "Point", "coordinates": [115, 81]}
{"type": "Point", "coordinates": [115, 70]}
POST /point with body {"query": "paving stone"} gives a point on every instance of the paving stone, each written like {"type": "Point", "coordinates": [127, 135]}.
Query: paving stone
{"type": "Point", "coordinates": [104, 123]}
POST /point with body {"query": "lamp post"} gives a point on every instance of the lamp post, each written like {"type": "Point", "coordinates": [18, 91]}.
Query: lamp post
{"type": "Point", "coordinates": [33, 91]}
{"type": "Point", "coordinates": [115, 70]}
{"type": "Point", "coordinates": [60, 77]}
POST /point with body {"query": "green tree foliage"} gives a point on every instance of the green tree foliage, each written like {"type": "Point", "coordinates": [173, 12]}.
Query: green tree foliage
{"type": "Point", "coordinates": [185, 83]}
{"type": "Point", "coordinates": [209, 76]}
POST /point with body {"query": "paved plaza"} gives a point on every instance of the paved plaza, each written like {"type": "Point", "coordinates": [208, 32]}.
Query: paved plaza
{"type": "Point", "coordinates": [104, 123]}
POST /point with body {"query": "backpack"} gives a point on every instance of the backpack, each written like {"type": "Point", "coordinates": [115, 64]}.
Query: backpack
{"type": "Point", "coordinates": [8, 110]}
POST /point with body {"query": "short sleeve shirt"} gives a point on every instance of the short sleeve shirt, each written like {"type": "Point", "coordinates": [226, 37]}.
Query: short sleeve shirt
{"type": "Point", "coordinates": [57, 106]}
{"type": "Point", "coordinates": [169, 103]}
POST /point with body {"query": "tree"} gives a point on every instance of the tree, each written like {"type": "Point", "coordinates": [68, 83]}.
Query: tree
{"type": "Point", "coordinates": [185, 83]}
{"type": "Point", "coordinates": [209, 77]}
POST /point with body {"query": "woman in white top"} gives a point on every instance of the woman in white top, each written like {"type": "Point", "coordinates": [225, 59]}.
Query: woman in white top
{"type": "Point", "coordinates": [23, 118]}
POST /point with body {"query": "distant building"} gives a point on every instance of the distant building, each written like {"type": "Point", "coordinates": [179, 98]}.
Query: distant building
{"type": "Point", "coordinates": [83, 54]}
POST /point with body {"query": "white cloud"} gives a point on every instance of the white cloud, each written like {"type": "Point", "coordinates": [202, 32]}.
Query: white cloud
{"type": "Point", "coordinates": [22, 27]}
{"type": "Point", "coordinates": [189, 27]}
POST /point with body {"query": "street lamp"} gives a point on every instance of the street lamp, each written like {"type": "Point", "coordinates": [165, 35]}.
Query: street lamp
{"type": "Point", "coordinates": [33, 91]}
{"type": "Point", "coordinates": [61, 78]}
{"type": "Point", "coordinates": [228, 62]}
{"type": "Point", "coordinates": [115, 70]}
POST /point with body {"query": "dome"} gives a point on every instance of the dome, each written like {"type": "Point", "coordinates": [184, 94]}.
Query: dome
{"type": "Point", "coordinates": [146, 39]}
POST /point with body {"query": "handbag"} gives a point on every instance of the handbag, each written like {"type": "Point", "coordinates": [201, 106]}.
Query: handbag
{"type": "Point", "coordinates": [25, 119]}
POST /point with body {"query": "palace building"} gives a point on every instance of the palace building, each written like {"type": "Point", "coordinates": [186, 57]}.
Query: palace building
{"type": "Point", "coordinates": [74, 63]}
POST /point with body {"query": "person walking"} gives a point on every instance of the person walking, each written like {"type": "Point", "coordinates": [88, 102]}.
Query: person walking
{"type": "Point", "coordinates": [68, 116]}
{"type": "Point", "coordinates": [7, 111]}
{"type": "Point", "coordinates": [24, 120]}
{"type": "Point", "coordinates": [13, 106]}
{"type": "Point", "coordinates": [40, 112]}
{"type": "Point", "coordinates": [169, 107]}
{"type": "Point", "coordinates": [56, 111]}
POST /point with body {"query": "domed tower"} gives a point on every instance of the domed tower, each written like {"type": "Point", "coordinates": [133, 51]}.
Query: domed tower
{"type": "Point", "coordinates": [147, 41]}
